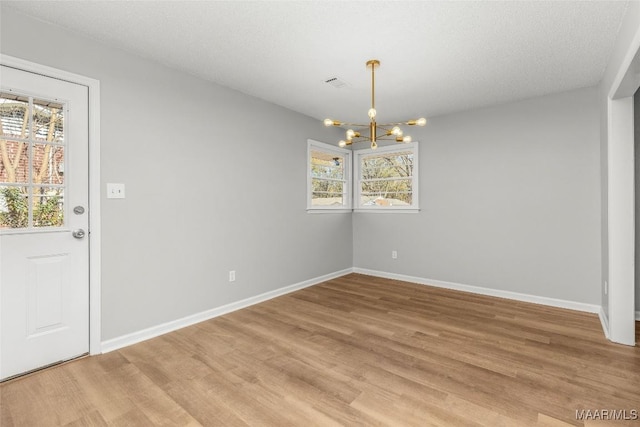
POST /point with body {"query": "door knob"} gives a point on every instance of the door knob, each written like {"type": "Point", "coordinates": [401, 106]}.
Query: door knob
{"type": "Point", "coordinates": [78, 234]}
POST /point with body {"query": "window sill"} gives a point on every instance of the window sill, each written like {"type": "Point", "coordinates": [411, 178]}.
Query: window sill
{"type": "Point", "coordinates": [323, 211]}
{"type": "Point", "coordinates": [387, 210]}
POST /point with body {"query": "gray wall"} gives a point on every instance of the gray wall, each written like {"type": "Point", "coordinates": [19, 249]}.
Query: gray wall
{"type": "Point", "coordinates": [510, 200]}
{"type": "Point", "coordinates": [215, 181]}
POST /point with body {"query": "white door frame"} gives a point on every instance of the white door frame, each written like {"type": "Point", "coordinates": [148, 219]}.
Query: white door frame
{"type": "Point", "coordinates": [621, 207]}
{"type": "Point", "coordinates": [95, 339]}
{"type": "Point", "coordinates": [621, 197]}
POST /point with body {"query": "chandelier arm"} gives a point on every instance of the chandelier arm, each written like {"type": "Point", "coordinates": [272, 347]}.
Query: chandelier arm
{"type": "Point", "coordinates": [367, 139]}
{"type": "Point", "coordinates": [395, 124]}
{"type": "Point", "coordinates": [356, 125]}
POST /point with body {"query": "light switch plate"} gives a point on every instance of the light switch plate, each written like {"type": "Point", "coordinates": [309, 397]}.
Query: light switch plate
{"type": "Point", "coordinates": [115, 191]}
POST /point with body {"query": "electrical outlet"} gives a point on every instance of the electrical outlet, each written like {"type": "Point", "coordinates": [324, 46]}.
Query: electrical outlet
{"type": "Point", "coordinates": [394, 254]}
{"type": "Point", "coordinates": [232, 276]}
{"type": "Point", "coordinates": [606, 287]}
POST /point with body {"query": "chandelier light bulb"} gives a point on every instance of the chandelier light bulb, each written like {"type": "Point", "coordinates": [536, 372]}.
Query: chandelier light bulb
{"type": "Point", "coordinates": [342, 143]}
{"type": "Point", "coordinates": [421, 121]}
{"type": "Point", "coordinates": [350, 134]}
{"type": "Point", "coordinates": [372, 113]}
{"type": "Point", "coordinates": [407, 139]}
{"type": "Point", "coordinates": [328, 122]}
{"type": "Point", "coordinates": [396, 131]}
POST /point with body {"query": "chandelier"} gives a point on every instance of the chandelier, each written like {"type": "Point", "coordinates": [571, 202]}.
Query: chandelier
{"type": "Point", "coordinates": [388, 131]}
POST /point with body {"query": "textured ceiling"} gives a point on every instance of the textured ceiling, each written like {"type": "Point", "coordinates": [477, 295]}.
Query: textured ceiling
{"type": "Point", "coordinates": [436, 57]}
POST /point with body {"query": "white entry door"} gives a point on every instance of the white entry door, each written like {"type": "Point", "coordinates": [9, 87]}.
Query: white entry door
{"type": "Point", "coordinates": [44, 221]}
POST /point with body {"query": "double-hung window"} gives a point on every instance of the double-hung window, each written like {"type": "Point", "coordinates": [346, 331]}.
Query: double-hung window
{"type": "Point", "coordinates": [383, 180]}
{"type": "Point", "coordinates": [387, 178]}
{"type": "Point", "coordinates": [328, 177]}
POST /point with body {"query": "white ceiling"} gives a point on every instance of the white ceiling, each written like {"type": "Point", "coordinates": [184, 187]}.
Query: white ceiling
{"type": "Point", "coordinates": [436, 57]}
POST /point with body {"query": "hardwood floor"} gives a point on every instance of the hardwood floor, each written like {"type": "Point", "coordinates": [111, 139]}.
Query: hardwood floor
{"type": "Point", "coordinates": [356, 350]}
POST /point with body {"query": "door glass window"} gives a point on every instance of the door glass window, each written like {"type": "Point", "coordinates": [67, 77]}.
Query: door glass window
{"type": "Point", "coordinates": [32, 162]}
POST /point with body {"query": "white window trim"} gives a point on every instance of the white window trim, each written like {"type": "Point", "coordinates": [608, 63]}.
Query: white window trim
{"type": "Point", "coordinates": [414, 208]}
{"type": "Point", "coordinates": [348, 163]}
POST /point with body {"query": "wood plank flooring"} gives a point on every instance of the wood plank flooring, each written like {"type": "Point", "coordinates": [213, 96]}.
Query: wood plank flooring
{"type": "Point", "coordinates": [356, 350]}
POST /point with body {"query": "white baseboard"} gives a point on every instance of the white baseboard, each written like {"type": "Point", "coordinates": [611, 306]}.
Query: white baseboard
{"type": "Point", "coordinates": [605, 323]}
{"type": "Point", "coordinates": [638, 315]}
{"type": "Point", "coordinates": [154, 331]}
{"type": "Point", "coordinates": [553, 302]}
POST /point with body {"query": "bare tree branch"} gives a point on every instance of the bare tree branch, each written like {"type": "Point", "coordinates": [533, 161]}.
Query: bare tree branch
{"type": "Point", "coordinates": [9, 165]}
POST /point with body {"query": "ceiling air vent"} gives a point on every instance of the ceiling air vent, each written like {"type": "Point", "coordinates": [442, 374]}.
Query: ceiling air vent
{"type": "Point", "coordinates": [336, 82]}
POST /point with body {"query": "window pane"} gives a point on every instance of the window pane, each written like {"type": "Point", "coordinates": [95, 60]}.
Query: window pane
{"type": "Point", "coordinates": [48, 164]}
{"type": "Point", "coordinates": [326, 165]}
{"type": "Point", "coordinates": [13, 114]}
{"type": "Point", "coordinates": [322, 185]}
{"type": "Point", "coordinates": [327, 199]}
{"type": "Point", "coordinates": [397, 192]}
{"type": "Point", "coordinates": [392, 165]}
{"type": "Point", "coordinates": [14, 161]}
{"type": "Point", "coordinates": [14, 210]}
{"type": "Point", "coordinates": [48, 207]}
{"type": "Point", "coordinates": [48, 121]}
{"type": "Point", "coordinates": [327, 193]}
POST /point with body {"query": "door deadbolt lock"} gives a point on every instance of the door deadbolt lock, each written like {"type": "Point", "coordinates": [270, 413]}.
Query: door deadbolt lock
{"type": "Point", "coordinates": [78, 210]}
